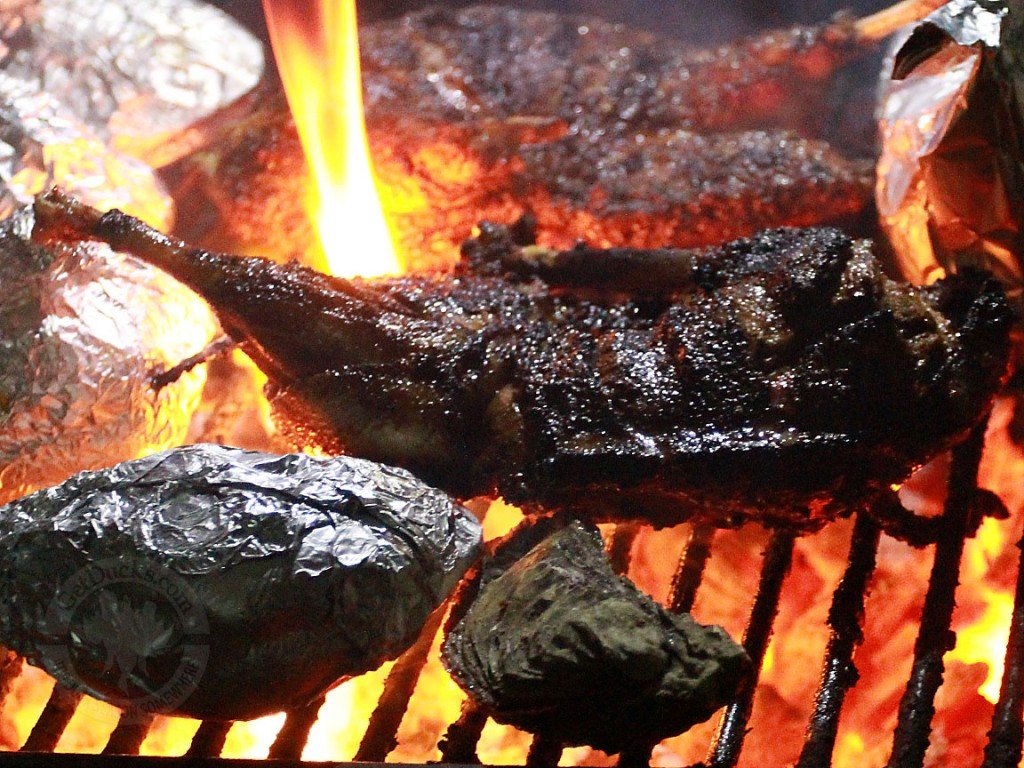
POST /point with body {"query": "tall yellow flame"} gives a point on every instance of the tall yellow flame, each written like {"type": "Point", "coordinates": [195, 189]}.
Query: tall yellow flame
{"type": "Point", "coordinates": [316, 45]}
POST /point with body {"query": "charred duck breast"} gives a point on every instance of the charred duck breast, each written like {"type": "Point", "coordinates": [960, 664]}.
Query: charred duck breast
{"type": "Point", "coordinates": [610, 134]}
{"type": "Point", "coordinates": [782, 377]}
{"type": "Point", "coordinates": [225, 584]}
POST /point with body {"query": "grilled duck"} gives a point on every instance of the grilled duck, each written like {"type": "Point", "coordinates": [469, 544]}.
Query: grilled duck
{"type": "Point", "coordinates": [607, 133]}
{"type": "Point", "coordinates": [782, 376]}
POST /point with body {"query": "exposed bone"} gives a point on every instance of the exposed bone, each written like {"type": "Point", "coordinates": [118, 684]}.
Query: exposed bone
{"type": "Point", "coordinates": [878, 26]}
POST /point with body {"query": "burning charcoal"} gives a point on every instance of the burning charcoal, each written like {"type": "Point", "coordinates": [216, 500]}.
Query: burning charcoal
{"type": "Point", "coordinates": [134, 73]}
{"type": "Point", "coordinates": [557, 644]}
{"type": "Point", "coordinates": [81, 331]}
{"type": "Point", "coordinates": [951, 179]}
{"type": "Point", "coordinates": [226, 584]}
{"type": "Point", "coordinates": [783, 378]}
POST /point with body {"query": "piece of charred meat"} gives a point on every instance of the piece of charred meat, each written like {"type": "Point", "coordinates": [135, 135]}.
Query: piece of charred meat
{"type": "Point", "coordinates": [550, 640]}
{"type": "Point", "coordinates": [498, 62]}
{"type": "Point", "coordinates": [606, 133]}
{"type": "Point", "coordinates": [782, 377]}
{"type": "Point", "coordinates": [226, 584]}
{"type": "Point", "coordinates": [671, 187]}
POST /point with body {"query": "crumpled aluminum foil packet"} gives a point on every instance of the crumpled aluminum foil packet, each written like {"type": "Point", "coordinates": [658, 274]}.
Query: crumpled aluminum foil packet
{"type": "Point", "coordinates": [134, 72]}
{"type": "Point", "coordinates": [950, 185]}
{"type": "Point", "coordinates": [42, 144]}
{"type": "Point", "coordinates": [226, 584]}
{"type": "Point", "coordinates": [82, 330]}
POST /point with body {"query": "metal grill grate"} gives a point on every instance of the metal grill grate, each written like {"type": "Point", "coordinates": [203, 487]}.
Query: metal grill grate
{"type": "Point", "coordinates": [946, 533]}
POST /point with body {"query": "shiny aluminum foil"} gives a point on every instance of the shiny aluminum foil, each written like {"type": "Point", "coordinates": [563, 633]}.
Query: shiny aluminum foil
{"type": "Point", "coordinates": [134, 72]}
{"type": "Point", "coordinates": [81, 328]}
{"type": "Point", "coordinates": [42, 144]}
{"type": "Point", "coordinates": [81, 332]}
{"type": "Point", "coordinates": [950, 188]}
{"type": "Point", "coordinates": [272, 576]}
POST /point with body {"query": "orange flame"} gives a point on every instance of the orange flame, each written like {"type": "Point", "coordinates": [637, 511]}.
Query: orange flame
{"type": "Point", "coordinates": [316, 45]}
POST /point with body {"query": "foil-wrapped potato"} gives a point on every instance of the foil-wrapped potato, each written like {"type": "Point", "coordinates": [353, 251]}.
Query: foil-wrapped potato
{"type": "Point", "coordinates": [82, 331]}
{"type": "Point", "coordinates": [135, 73]}
{"type": "Point", "coordinates": [226, 584]}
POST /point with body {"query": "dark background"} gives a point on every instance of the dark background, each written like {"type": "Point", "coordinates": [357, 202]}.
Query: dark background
{"type": "Point", "coordinates": [699, 21]}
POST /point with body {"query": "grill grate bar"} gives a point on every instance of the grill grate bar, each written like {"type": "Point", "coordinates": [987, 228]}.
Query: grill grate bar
{"type": "Point", "coordinates": [127, 737]}
{"type": "Point", "coordinates": [695, 557]}
{"type": "Point", "coordinates": [209, 739]}
{"type": "Point", "coordinates": [294, 734]}
{"type": "Point", "coordinates": [1007, 734]}
{"type": "Point", "coordinates": [381, 734]}
{"type": "Point", "coordinates": [543, 752]}
{"type": "Point", "coordinates": [458, 745]}
{"type": "Point", "coordinates": [620, 546]}
{"type": "Point", "coordinates": [57, 713]}
{"type": "Point", "coordinates": [846, 621]}
{"type": "Point", "coordinates": [635, 757]}
{"type": "Point", "coordinates": [10, 667]}
{"type": "Point", "coordinates": [934, 638]}
{"type": "Point", "coordinates": [685, 583]}
{"type": "Point", "coordinates": [733, 726]}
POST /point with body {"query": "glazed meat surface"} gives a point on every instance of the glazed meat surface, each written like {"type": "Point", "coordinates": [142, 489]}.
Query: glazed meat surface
{"type": "Point", "coordinates": [499, 62]}
{"type": "Point", "coordinates": [781, 377]}
{"type": "Point", "coordinates": [605, 133]}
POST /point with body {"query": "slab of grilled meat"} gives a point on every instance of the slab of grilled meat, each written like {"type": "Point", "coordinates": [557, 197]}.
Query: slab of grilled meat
{"type": "Point", "coordinates": [671, 187]}
{"type": "Point", "coordinates": [498, 62]}
{"type": "Point", "coordinates": [782, 377]}
{"type": "Point", "coordinates": [606, 133]}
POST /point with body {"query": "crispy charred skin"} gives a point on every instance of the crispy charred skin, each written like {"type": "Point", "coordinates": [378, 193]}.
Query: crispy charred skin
{"type": "Point", "coordinates": [782, 377]}
{"type": "Point", "coordinates": [672, 186]}
{"type": "Point", "coordinates": [609, 134]}
{"type": "Point", "coordinates": [500, 62]}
